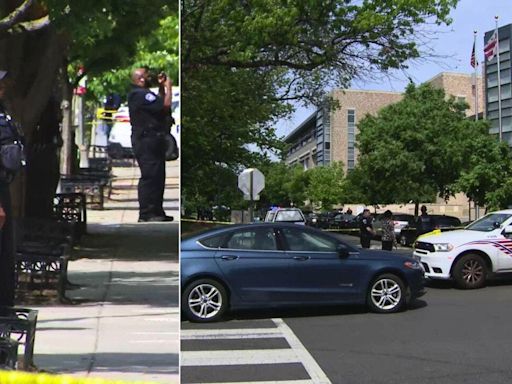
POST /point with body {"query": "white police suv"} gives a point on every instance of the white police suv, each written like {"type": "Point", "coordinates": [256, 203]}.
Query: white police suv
{"type": "Point", "coordinates": [470, 255]}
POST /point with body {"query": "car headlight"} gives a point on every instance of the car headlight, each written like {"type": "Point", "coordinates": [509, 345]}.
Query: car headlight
{"type": "Point", "coordinates": [442, 247]}
{"type": "Point", "coordinates": [413, 264]}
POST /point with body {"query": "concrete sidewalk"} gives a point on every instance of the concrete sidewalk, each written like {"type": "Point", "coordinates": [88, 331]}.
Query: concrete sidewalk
{"type": "Point", "coordinates": [124, 320]}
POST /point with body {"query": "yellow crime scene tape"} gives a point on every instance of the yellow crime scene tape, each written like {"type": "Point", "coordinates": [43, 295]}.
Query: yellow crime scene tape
{"type": "Point", "coordinates": [432, 233]}
{"type": "Point", "coordinates": [16, 377]}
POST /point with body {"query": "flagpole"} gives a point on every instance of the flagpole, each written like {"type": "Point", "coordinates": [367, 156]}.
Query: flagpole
{"type": "Point", "coordinates": [499, 79]}
{"type": "Point", "coordinates": [475, 77]}
{"type": "Point", "coordinates": [477, 208]}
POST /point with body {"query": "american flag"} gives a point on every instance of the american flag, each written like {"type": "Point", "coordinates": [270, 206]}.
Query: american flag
{"type": "Point", "coordinates": [473, 62]}
{"type": "Point", "coordinates": [491, 47]}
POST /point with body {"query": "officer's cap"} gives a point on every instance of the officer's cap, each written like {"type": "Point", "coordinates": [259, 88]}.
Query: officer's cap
{"type": "Point", "coordinates": [2, 74]}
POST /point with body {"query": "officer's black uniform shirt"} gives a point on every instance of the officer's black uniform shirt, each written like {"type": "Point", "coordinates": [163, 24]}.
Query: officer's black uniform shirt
{"type": "Point", "coordinates": [365, 223]}
{"type": "Point", "coordinates": [425, 224]}
{"type": "Point", "coordinates": [147, 113]}
{"type": "Point", "coordinates": [7, 128]}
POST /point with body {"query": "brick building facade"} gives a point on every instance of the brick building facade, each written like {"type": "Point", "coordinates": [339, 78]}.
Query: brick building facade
{"type": "Point", "coordinates": [329, 136]}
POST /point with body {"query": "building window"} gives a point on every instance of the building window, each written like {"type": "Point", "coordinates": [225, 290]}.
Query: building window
{"type": "Point", "coordinates": [351, 133]}
{"type": "Point", "coordinates": [504, 46]}
{"type": "Point", "coordinates": [323, 132]}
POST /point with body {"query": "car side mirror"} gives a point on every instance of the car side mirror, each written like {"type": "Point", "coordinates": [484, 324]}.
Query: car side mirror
{"type": "Point", "coordinates": [342, 251]}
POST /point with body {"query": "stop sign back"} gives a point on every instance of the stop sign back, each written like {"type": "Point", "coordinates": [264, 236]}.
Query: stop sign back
{"type": "Point", "coordinates": [251, 178]}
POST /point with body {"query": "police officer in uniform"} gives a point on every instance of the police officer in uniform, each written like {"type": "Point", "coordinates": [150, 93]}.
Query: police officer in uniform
{"type": "Point", "coordinates": [366, 231]}
{"type": "Point", "coordinates": [7, 263]}
{"type": "Point", "coordinates": [425, 223]}
{"type": "Point", "coordinates": [149, 116]}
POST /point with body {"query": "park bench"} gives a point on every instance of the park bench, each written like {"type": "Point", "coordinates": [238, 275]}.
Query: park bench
{"type": "Point", "coordinates": [18, 327]}
{"type": "Point", "coordinates": [71, 208]}
{"type": "Point", "coordinates": [43, 249]}
{"type": "Point", "coordinates": [43, 271]}
{"type": "Point", "coordinates": [91, 181]}
{"type": "Point", "coordinates": [8, 353]}
{"type": "Point", "coordinates": [92, 188]}
{"type": "Point", "coordinates": [100, 168]}
{"type": "Point", "coordinates": [43, 246]}
{"type": "Point", "coordinates": [98, 151]}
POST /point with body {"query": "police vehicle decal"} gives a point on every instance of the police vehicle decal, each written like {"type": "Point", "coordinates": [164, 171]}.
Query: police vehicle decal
{"type": "Point", "coordinates": [503, 245]}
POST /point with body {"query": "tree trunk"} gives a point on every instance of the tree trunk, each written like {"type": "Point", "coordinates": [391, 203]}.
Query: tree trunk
{"type": "Point", "coordinates": [416, 209]}
{"type": "Point", "coordinates": [66, 159]}
{"type": "Point", "coordinates": [32, 61]}
{"type": "Point", "coordinates": [42, 157]}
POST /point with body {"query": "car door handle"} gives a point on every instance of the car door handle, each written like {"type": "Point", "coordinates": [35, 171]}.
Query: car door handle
{"type": "Point", "coordinates": [229, 257]}
{"type": "Point", "coordinates": [301, 258]}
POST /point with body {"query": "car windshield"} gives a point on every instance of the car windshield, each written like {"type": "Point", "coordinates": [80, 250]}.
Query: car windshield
{"type": "Point", "coordinates": [447, 221]}
{"type": "Point", "coordinates": [399, 217]}
{"type": "Point", "coordinates": [288, 216]}
{"type": "Point", "coordinates": [489, 223]}
{"type": "Point", "coordinates": [270, 216]}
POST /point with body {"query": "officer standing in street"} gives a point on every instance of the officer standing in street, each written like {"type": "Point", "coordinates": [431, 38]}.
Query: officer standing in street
{"type": "Point", "coordinates": [425, 223]}
{"type": "Point", "coordinates": [366, 231]}
{"type": "Point", "coordinates": [7, 263]}
{"type": "Point", "coordinates": [150, 120]}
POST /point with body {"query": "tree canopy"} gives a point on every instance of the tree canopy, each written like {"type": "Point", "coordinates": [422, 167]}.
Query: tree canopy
{"type": "Point", "coordinates": [326, 186]}
{"type": "Point", "coordinates": [487, 169]}
{"type": "Point", "coordinates": [44, 42]}
{"type": "Point", "coordinates": [423, 147]}
{"type": "Point", "coordinates": [243, 62]}
{"type": "Point", "coordinates": [284, 184]}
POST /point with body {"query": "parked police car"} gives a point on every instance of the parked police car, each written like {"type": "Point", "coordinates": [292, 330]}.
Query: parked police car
{"type": "Point", "coordinates": [471, 255]}
{"type": "Point", "coordinates": [119, 144]}
{"type": "Point", "coordinates": [286, 215]}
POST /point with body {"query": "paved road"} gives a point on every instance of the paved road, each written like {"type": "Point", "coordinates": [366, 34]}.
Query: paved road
{"type": "Point", "coordinates": [449, 336]}
{"type": "Point", "coordinates": [245, 351]}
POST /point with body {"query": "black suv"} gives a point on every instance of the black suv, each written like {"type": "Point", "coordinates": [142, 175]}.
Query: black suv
{"type": "Point", "coordinates": [443, 222]}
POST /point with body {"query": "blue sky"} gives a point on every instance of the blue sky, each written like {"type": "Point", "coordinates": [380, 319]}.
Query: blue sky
{"type": "Point", "coordinates": [454, 42]}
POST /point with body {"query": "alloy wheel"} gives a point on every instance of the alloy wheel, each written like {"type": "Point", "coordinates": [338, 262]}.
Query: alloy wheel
{"type": "Point", "coordinates": [205, 301]}
{"type": "Point", "coordinates": [386, 294]}
{"type": "Point", "coordinates": [472, 271]}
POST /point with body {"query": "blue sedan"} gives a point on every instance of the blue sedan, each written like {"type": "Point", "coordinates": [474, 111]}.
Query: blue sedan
{"type": "Point", "coordinates": [277, 265]}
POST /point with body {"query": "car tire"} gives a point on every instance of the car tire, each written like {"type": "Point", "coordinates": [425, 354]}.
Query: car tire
{"type": "Point", "coordinates": [386, 294]}
{"type": "Point", "coordinates": [204, 300]}
{"type": "Point", "coordinates": [470, 272]}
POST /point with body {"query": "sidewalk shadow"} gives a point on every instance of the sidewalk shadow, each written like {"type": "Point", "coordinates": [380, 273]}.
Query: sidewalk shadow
{"type": "Point", "coordinates": [166, 313]}
{"type": "Point", "coordinates": [128, 362]}
{"type": "Point", "coordinates": [146, 241]}
{"type": "Point", "coordinates": [126, 288]}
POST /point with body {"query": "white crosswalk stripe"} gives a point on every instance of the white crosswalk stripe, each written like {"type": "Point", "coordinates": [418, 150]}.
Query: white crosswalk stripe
{"type": "Point", "coordinates": [208, 334]}
{"type": "Point", "coordinates": [295, 354]}
{"type": "Point", "coordinates": [270, 382]}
